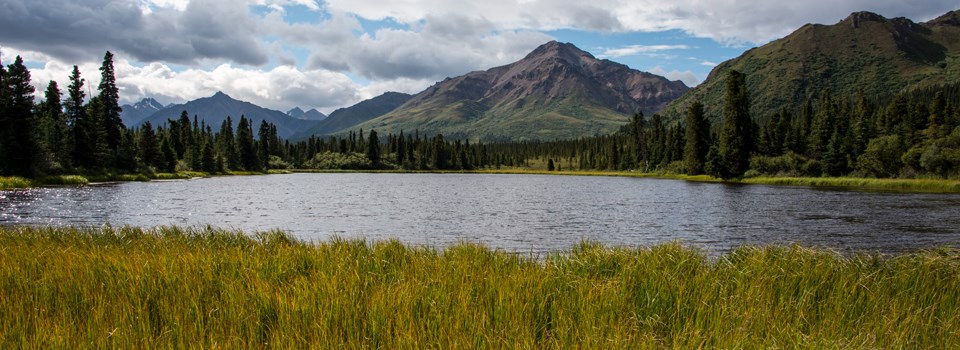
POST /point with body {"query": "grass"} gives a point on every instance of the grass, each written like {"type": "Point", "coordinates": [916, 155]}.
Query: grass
{"type": "Point", "coordinates": [208, 288]}
{"type": "Point", "coordinates": [8, 182]}
{"type": "Point", "coordinates": [909, 185]}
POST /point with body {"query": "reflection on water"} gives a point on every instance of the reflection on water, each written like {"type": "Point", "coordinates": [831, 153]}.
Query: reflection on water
{"type": "Point", "coordinates": [525, 213]}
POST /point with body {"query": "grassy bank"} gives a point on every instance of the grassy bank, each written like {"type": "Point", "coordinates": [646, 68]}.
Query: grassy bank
{"type": "Point", "coordinates": [169, 287]}
{"type": "Point", "coordinates": [908, 185]}
{"type": "Point", "coordinates": [74, 180]}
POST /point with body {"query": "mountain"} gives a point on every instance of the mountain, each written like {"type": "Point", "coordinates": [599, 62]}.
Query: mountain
{"type": "Point", "coordinates": [132, 115]}
{"type": "Point", "coordinates": [312, 114]}
{"type": "Point", "coordinates": [863, 52]}
{"type": "Point", "coordinates": [556, 91]}
{"type": "Point", "coordinates": [215, 109]}
{"type": "Point", "coordinates": [344, 118]}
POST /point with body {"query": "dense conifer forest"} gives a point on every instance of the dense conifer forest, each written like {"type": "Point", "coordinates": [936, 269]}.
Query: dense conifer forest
{"type": "Point", "coordinates": [909, 134]}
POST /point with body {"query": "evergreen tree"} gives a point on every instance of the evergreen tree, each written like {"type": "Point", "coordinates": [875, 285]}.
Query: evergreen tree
{"type": "Point", "coordinates": [736, 136]}
{"type": "Point", "coordinates": [401, 149]}
{"type": "Point", "coordinates": [264, 146]}
{"type": "Point", "coordinates": [19, 149]}
{"type": "Point", "coordinates": [81, 145]}
{"type": "Point", "coordinates": [110, 100]}
{"type": "Point", "coordinates": [373, 148]}
{"type": "Point", "coordinates": [150, 152]}
{"type": "Point", "coordinates": [697, 139]}
{"type": "Point", "coordinates": [207, 161]}
{"type": "Point", "coordinates": [245, 146]}
{"type": "Point", "coordinates": [54, 126]}
{"type": "Point", "coordinates": [550, 165]}
{"type": "Point", "coordinates": [226, 145]}
{"type": "Point", "coordinates": [100, 157]}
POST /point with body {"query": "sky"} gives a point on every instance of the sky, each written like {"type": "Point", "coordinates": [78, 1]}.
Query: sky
{"type": "Point", "coordinates": [327, 54]}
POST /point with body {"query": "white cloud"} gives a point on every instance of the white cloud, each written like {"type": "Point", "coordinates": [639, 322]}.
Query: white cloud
{"type": "Point", "coordinates": [708, 63]}
{"type": "Point", "coordinates": [280, 88]}
{"type": "Point", "coordinates": [728, 21]}
{"type": "Point", "coordinates": [633, 50]}
{"type": "Point", "coordinates": [687, 77]}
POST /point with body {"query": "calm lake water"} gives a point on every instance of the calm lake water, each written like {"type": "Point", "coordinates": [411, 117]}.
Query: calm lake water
{"type": "Point", "coordinates": [523, 213]}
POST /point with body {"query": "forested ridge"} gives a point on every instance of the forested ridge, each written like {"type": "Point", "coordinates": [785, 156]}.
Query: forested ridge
{"type": "Point", "coordinates": [910, 134]}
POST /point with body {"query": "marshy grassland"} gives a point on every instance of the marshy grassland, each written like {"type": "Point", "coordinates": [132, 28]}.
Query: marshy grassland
{"type": "Point", "coordinates": [210, 288]}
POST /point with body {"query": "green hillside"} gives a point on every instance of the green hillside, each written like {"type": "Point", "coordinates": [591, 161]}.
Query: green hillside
{"type": "Point", "coordinates": [864, 52]}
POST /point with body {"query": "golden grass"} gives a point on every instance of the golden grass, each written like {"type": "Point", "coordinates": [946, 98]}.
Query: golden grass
{"type": "Point", "coordinates": [208, 288]}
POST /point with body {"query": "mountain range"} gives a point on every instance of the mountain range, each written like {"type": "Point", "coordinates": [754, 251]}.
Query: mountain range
{"type": "Point", "coordinates": [865, 52]}
{"type": "Point", "coordinates": [137, 112]}
{"type": "Point", "coordinates": [312, 114]}
{"type": "Point", "coordinates": [557, 91]}
{"type": "Point", "coordinates": [343, 119]}
{"type": "Point", "coordinates": [215, 109]}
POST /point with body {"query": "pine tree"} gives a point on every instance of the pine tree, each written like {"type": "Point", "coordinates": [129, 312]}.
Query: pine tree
{"type": "Point", "coordinates": [697, 139]}
{"type": "Point", "coordinates": [19, 149]}
{"type": "Point", "coordinates": [207, 161]}
{"type": "Point", "coordinates": [373, 148]}
{"type": "Point", "coordinates": [54, 126]}
{"type": "Point", "coordinates": [245, 146]}
{"type": "Point", "coordinates": [227, 147]}
{"type": "Point", "coordinates": [736, 136]}
{"type": "Point", "coordinates": [550, 165]}
{"type": "Point", "coordinates": [150, 152]}
{"type": "Point", "coordinates": [264, 146]}
{"type": "Point", "coordinates": [80, 125]}
{"type": "Point", "coordinates": [401, 149]}
{"type": "Point", "coordinates": [110, 100]}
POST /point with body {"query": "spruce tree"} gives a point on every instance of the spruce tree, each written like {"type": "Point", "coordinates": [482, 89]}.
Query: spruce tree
{"type": "Point", "coordinates": [245, 146]}
{"type": "Point", "coordinates": [227, 147]}
{"type": "Point", "coordinates": [373, 148]}
{"type": "Point", "coordinates": [80, 144]}
{"type": "Point", "coordinates": [264, 145]}
{"type": "Point", "coordinates": [150, 151]}
{"type": "Point", "coordinates": [550, 165]}
{"type": "Point", "coordinates": [697, 139]}
{"type": "Point", "coordinates": [54, 126]}
{"type": "Point", "coordinates": [736, 136]}
{"type": "Point", "coordinates": [18, 147]}
{"type": "Point", "coordinates": [110, 100]}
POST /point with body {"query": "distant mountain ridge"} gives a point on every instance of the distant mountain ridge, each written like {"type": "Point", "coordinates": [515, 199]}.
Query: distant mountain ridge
{"type": "Point", "coordinates": [556, 91]}
{"type": "Point", "coordinates": [215, 109]}
{"type": "Point", "coordinates": [312, 114]}
{"type": "Point", "coordinates": [864, 52]}
{"type": "Point", "coordinates": [134, 114]}
{"type": "Point", "coordinates": [345, 118]}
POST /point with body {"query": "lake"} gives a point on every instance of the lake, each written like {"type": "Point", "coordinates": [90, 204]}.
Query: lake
{"type": "Point", "coordinates": [521, 213]}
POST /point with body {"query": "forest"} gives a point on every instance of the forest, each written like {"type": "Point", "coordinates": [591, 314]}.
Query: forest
{"type": "Point", "coordinates": [905, 135]}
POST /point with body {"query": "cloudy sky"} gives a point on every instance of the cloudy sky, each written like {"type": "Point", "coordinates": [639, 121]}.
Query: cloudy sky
{"type": "Point", "coordinates": [327, 54]}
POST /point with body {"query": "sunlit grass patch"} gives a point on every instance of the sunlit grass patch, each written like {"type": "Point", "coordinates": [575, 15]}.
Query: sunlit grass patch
{"type": "Point", "coordinates": [207, 287]}
{"type": "Point", "coordinates": [9, 182]}
{"type": "Point", "coordinates": [913, 185]}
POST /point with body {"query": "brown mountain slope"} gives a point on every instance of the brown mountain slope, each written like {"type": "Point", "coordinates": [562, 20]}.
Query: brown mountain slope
{"type": "Point", "coordinates": [556, 91]}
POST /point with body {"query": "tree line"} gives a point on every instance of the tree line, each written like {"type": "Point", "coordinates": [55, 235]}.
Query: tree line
{"type": "Point", "coordinates": [909, 134]}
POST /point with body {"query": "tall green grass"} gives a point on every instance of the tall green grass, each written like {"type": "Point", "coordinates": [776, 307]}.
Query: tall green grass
{"type": "Point", "coordinates": [209, 288]}
{"type": "Point", "coordinates": [911, 185]}
{"type": "Point", "coordinates": [8, 182]}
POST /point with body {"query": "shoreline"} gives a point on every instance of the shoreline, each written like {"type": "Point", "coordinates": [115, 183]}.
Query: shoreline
{"type": "Point", "coordinates": [944, 186]}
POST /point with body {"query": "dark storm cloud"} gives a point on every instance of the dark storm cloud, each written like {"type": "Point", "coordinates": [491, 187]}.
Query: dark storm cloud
{"type": "Point", "coordinates": [79, 30]}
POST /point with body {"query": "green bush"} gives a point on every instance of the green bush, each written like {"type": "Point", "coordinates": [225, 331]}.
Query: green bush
{"type": "Point", "coordinates": [789, 164]}
{"type": "Point", "coordinates": [882, 158]}
{"type": "Point", "coordinates": [335, 160]}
